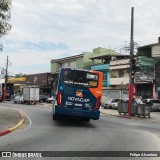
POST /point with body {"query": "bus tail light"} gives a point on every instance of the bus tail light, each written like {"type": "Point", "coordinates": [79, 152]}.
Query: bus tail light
{"type": "Point", "coordinates": [98, 104]}
{"type": "Point", "coordinates": [59, 100]}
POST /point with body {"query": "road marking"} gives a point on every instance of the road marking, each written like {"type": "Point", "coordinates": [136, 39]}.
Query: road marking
{"type": "Point", "coordinates": [24, 114]}
{"type": "Point", "coordinates": [28, 118]}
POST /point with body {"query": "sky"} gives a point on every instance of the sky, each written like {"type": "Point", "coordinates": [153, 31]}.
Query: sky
{"type": "Point", "coordinates": [50, 29]}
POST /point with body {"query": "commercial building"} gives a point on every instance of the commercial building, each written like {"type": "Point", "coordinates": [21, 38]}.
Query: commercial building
{"type": "Point", "coordinates": [18, 82]}
{"type": "Point", "coordinates": [42, 80]}
{"type": "Point", "coordinates": [147, 79]}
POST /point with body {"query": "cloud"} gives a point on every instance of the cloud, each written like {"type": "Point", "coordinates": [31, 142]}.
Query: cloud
{"type": "Point", "coordinates": [43, 30]}
{"type": "Point", "coordinates": [15, 46]}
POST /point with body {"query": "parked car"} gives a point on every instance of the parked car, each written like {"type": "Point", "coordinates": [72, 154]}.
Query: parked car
{"type": "Point", "coordinates": [153, 103]}
{"type": "Point", "coordinates": [106, 103]}
{"type": "Point", "coordinates": [18, 99]}
{"type": "Point", "coordinates": [114, 103]}
{"type": "Point", "coordinates": [111, 103]}
{"type": "Point", "coordinates": [50, 100]}
{"type": "Point", "coordinates": [126, 100]}
{"type": "Point", "coordinates": [43, 97]}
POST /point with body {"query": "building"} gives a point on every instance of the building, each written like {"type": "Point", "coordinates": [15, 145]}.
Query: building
{"type": "Point", "coordinates": [42, 80]}
{"type": "Point", "coordinates": [9, 88]}
{"type": "Point", "coordinates": [72, 61]}
{"type": "Point", "coordinates": [157, 80]}
{"type": "Point", "coordinates": [116, 75]}
{"type": "Point", "coordinates": [147, 79]}
{"type": "Point", "coordinates": [106, 61]}
{"type": "Point", "coordinates": [18, 83]}
{"type": "Point", "coordinates": [80, 61]}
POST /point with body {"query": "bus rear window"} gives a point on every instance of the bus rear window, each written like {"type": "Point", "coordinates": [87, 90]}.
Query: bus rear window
{"type": "Point", "coordinates": [80, 78]}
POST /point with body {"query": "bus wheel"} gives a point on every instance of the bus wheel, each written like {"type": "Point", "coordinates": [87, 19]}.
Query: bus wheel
{"type": "Point", "coordinates": [54, 117]}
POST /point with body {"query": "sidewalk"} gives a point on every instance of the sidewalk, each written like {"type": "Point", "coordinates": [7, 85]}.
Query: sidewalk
{"type": "Point", "coordinates": [10, 120]}
{"type": "Point", "coordinates": [113, 112]}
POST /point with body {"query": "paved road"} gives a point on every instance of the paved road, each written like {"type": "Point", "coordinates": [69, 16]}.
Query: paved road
{"type": "Point", "coordinates": [41, 133]}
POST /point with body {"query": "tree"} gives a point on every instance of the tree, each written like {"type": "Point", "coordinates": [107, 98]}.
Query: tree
{"type": "Point", "coordinates": [20, 75]}
{"type": "Point", "coordinates": [5, 15]}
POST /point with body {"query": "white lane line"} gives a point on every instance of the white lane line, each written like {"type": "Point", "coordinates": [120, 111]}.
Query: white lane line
{"type": "Point", "coordinates": [28, 118]}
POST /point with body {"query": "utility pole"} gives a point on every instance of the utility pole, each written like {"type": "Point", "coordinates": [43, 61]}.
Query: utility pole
{"type": "Point", "coordinates": [132, 63]}
{"type": "Point", "coordinates": [6, 79]}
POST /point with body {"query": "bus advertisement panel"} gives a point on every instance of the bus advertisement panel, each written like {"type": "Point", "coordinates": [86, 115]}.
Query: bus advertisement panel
{"type": "Point", "coordinates": [78, 94]}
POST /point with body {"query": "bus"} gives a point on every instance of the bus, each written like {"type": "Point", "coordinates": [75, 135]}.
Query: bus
{"type": "Point", "coordinates": [78, 93]}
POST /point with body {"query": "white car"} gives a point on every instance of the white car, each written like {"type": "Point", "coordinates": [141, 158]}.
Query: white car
{"type": "Point", "coordinates": [114, 103]}
{"type": "Point", "coordinates": [111, 103]}
{"type": "Point", "coordinates": [18, 99]}
{"type": "Point", "coordinates": [50, 100]}
{"type": "Point", "coordinates": [106, 103]}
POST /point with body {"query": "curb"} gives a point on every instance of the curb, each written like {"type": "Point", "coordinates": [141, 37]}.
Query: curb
{"type": "Point", "coordinates": [116, 115]}
{"type": "Point", "coordinates": [18, 125]}
{"type": "Point", "coordinates": [122, 116]}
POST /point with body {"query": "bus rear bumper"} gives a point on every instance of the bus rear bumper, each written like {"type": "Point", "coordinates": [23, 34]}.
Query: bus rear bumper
{"type": "Point", "coordinates": [77, 112]}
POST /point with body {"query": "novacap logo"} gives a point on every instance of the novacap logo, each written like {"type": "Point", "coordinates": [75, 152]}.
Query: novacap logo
{"type": "Point", "coordinates": [79, 94]}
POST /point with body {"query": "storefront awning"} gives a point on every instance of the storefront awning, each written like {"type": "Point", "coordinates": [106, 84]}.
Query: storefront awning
{"type": "Point", "coordinates": [13, 80]}
{"type": "Point", "coordinates": [17, 85]}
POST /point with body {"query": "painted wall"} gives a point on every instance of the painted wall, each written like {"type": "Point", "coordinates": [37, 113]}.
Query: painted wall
{"type": "Point", "coordinates": [96, 52]}
{"type": "Point", "coordinates": [53, 67]}
{"type": "Point", "coordinates": [85, 61]}
{"type": "Point", "coordinates": [105, 69]}
{"type": "Point", "coordinates": [79, 62]}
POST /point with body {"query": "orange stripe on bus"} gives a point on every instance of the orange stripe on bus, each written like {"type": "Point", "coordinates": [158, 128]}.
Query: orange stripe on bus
{"type": "Point", "coordinates": [98, 91]}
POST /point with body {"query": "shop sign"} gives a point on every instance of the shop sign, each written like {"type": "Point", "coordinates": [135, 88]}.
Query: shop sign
{"type": "Point", "coordinates": [143, 78]}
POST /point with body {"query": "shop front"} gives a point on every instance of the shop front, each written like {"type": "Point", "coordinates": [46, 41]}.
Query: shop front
{"type": "Point", "coordinates": [157, 80]}
{"type": "Point", "coordinates": [43, 81]}
{"type": "Point", "coordinates": [145, 85]}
